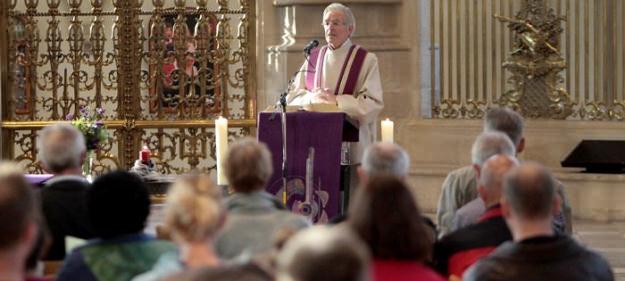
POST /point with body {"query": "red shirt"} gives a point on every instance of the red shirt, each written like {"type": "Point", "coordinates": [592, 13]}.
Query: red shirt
{"type": "Point", "coordinates": [383, 270]}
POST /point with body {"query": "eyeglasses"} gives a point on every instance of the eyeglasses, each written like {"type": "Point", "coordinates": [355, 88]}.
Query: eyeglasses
{"type": "Point", "coordinates": [332, 23]}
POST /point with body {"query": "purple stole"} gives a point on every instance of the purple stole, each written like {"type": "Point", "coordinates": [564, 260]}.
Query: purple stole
{"type": "Point", "coordinates": [346, 83]}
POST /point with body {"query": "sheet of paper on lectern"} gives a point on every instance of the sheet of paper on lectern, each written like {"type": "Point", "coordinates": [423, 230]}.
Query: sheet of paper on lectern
{"type": "Point", "coordinates": [321, 107]}
{"type": "Point", "coordinates": [313, 107]}
{"type": "Point", "coordinates": [277, 108]}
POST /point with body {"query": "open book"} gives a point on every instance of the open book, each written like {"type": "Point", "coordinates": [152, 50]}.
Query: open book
{"type": "Point", "coordinates": [314, 107]}
{"type": "Point", "coordinates": [321, 107]}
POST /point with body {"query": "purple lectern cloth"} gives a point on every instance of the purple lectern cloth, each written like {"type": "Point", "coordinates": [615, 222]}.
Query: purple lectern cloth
{"type": "Point", "coordinates": [37, 179]}
{"type": "Point", "coordinates": [324, 132]}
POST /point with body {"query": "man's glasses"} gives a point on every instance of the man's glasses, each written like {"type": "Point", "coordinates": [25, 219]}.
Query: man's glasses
{"type": "Point", "coordinates": [332, 23]}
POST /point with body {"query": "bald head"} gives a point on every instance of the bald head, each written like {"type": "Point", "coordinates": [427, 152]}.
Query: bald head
{"type": "Point", "coordinates": [530, 191]}
{"type": "Point", "coordinates": [385, 158]}
{"type": "Point", "coordinates": [492, 176]}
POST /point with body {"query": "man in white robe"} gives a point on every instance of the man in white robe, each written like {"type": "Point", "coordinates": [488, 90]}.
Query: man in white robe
{"type": "Point", "coordinates": [348, 77]}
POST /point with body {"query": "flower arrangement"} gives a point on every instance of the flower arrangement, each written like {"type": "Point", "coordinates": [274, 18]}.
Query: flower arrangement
{"type": "Point", "coordinates": [91, 126]}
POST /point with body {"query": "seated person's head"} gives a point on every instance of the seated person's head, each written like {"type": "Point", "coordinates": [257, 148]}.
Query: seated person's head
{"type": "Point", "coordinates": [490, 182]}
{"type": "Point", "coordinates": [384, 158]}
{"type": "Point", "coordinates": [194, 211]}
{"type": "Point", "coordinates": [323, 253]}
{"type": "Point", "coordinates": [61, 148]}
{"type": "Point", "coordinates": [386, 217]}
{"type": "Point", "coordinates": [118, 204]}
{"type": "Point", "coordinates": [248, 165]}
{"type": "Point", "coordinates": [507, 121]}
{"type": "Point", "coordinates": [231, 272]}
{"type": "Point", "coordinates": [18, 214]}
{"type": "Point", "coordinates": [529, 195]}
{"type": "Point", "coordinates": [488, 144]}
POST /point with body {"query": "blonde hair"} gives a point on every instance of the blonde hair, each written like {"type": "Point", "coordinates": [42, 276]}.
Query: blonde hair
{"type": "Point", "coordinates": [194, 209]}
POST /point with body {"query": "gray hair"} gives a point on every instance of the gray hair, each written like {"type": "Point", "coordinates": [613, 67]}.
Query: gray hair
{"type": "Point", "coordinates": [350, 20]}
{"type": "Point", "coordinates": [505, 120]}
{"type": "Point", "coordinates": [323, 253]}
{"type": "Point", "coordinates": [61, 146]}
{"type": "Point", "coordinates": [530, 191]}
{"type": "Point", "coordinates": [488, 144]}
{"type": "Point", "coordinates": [385, 158]}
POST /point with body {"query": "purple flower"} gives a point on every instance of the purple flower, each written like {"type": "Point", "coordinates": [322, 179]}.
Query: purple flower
{"type": "Point", "coordinates": [100, 111]}
{"type": "Point", "coordinates": [92, 144]}
{"type": "Point", "coordinates": [99, 123]}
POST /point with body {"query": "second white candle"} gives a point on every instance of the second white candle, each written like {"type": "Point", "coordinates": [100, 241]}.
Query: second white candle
{"type": "Point", "coordinates": [221, 148]}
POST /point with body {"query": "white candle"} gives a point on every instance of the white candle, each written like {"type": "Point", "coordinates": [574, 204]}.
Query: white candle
{"type": "Point", "coordinates": [221, 143]}
{"type": "Point", "coordinates": [387, 130]}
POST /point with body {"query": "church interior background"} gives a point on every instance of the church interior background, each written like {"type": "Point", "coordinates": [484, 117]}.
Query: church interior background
{"type": "Point", "coordinates": [442, 62]}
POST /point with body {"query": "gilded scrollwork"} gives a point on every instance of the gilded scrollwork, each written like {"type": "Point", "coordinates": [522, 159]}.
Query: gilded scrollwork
{"type": "Point", "coordinates": [600, 111]}
{"type": "Point", "coordinates": [617, 112]}
{"type": "Point", "coordinates": [594, 111]}
{"type": "Point", "coordinates": [532, 82]}
{"type": "Point", "coordinates": [453, 109]}
{"type": "Point", "coordinates": [475, 109]}
{"type": "Point", "coordinates": [536, 63]}
{"type": "Point", "coordinates": [449, 109]}
{"type": "Point", "coordinates": [78, 63]}
{"type": "Point", "coordinates": [27, 151]}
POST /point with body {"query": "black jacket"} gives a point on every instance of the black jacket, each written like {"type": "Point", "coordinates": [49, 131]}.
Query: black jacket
{"type": "Point", "coordinates": [64, 206]}
{"type": "Point", "coordinates": [542, 258]}
{"type": "Point", "coordinates": [457, 251]}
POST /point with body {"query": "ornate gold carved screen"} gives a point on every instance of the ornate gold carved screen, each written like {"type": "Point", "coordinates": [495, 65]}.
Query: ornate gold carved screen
{"type": "Point", "coordinates": [162, 70]}
{"type": "Point", "coordinates": [467, 65]}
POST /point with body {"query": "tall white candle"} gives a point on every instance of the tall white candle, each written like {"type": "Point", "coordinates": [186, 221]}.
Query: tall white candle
{"type": "Point", "coordinates": [387, 130]}
{"type": "Point", "coordinates": [221, 143]}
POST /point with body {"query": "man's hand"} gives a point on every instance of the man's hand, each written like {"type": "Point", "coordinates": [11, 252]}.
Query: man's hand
{"type": "Point", "coordinates": [324, 96]}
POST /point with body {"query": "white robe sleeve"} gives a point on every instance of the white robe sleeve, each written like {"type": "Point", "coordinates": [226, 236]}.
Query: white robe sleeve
{"type": "Point", "coordinates": [366, 103]}
{"type": "Point", "coordinates": [298, 94]}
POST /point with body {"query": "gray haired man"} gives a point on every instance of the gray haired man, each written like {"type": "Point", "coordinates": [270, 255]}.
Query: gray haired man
{"type": "Point", "coordinates": [384, 158]}
{"type": "Point", "coordinates": [62, 151]}
{"type": "Point", "coordinates": [460, 186]}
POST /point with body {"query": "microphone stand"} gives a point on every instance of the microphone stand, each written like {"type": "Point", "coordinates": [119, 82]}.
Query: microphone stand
{"type": "Point", "coordinates": [284, 158]}
{"type": "Point", "coordinates": [282, 101]}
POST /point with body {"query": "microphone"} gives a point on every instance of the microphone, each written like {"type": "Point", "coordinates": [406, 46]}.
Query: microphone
{"type": "Point", "coordinates": [313, 44]}
{"type": "Point", "coordinates": [282, 98]}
